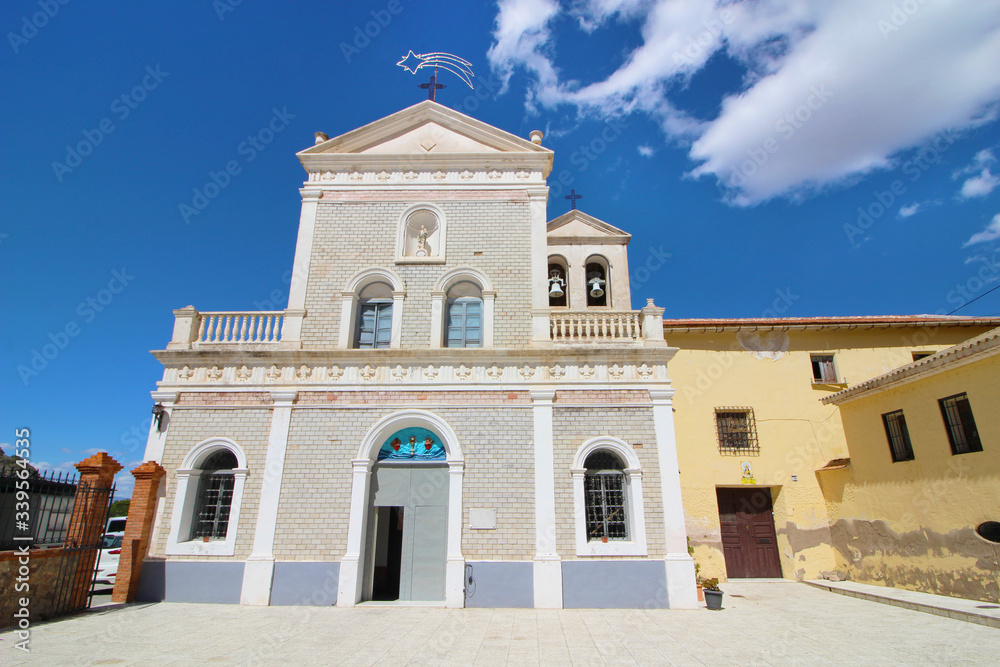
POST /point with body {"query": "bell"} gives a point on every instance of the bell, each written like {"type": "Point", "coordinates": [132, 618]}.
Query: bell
{"type": "Point", "coordinates": [596, 290]}
{"type": "Point", "coordinates": [555, 290]}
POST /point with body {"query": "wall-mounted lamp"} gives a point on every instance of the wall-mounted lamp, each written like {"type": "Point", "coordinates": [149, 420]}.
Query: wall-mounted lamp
{"type": "Point", "coordinates": [158, 414]}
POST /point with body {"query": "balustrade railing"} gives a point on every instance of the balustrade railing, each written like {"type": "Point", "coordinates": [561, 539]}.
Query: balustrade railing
{"type": "Point", "coordinates": [568, 327]}
{"type": "Point", "coordinates": [236, 328]}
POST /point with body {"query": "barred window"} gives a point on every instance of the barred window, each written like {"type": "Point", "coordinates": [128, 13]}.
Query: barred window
{"type": "Point", "coordinates": [737, 430]}
{"type": "Point", "coordinates": [215, 496]}
{"type": "Point", "coordinates": [962, 432]}
{"type": "Point", "coordinates": [898, 435]}
{"type": "Point", "coordinates": [604, 489]}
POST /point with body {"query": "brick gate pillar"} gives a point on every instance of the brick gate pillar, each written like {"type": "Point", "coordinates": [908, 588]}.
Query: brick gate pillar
{"type": "Point", "coordinates": [137, 530]}
{"type": "Point", "coordinates": [86, 524]}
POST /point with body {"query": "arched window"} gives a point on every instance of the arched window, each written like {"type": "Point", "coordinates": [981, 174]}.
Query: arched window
{"type": "Point", "coordinates": [464, 315]}
{"type": "Point", "coordinates": [374, 319]}
{"type": "Point", "coordinates": [597, 281]}
{"type": "Point", "coordinates": [215, 496]}
{"type": "Point", "coordinates": [207, 500]}
{"type": "Point", "coordinates": [558, 282]}
{"type": "Point", "coordinates": [607, 496]}
{"type": "Point", "coordinates": [462, 309]}
{"type": "Point", "coordinates": [604, 489]}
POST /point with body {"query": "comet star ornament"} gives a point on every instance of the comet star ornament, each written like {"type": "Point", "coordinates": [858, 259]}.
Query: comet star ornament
{"type": "Point", "coordinates": [460, 67]}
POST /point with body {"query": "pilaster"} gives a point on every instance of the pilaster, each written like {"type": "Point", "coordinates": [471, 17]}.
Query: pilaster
{"type": "Point", "coordinates": [547, 566]}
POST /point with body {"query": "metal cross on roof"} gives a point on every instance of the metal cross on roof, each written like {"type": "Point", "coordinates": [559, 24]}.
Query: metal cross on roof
{"type": "Point", "coordinates": [572, 197]}
{"type": "Point", "coordinates": [433, 86]}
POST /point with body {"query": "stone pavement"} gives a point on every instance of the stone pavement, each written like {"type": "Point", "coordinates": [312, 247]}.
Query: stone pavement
{"type": "Point", "coordinates": [762, 623]}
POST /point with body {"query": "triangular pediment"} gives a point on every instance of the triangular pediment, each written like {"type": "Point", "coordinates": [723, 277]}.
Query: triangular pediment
{"type": "Point", "coordinates": [575, 226]}
{"type": "Point", "coordinates": [427, 128]}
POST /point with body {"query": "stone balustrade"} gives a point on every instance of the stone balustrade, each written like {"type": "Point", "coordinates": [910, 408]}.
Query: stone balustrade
{"type": "Point", "coordinates": [215, 330]}
{"type": "Point", "coordinates": [644, 327]}
{"type": "Point", "coordinates": [584, 327]}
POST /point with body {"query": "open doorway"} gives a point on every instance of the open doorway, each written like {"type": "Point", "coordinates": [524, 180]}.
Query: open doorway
{"type": "Point", "coordinates": [388, 553]}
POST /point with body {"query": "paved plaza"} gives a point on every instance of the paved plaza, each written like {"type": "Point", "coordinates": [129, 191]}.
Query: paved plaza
{"type": "Point", "coordinates": [762, 624]}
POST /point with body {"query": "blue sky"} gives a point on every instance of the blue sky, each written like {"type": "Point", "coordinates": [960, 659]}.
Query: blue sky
{"type": "Point", "coordinates": [839, 158]}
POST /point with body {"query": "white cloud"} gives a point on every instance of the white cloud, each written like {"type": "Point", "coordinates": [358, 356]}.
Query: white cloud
{"type": "Point", "coordinates": [991, 233]}
{"type": "Point", "coordinates": [907, 211]}
{"type": "Point", "coordinates": [979, 186]}
{"type": "Point", "coordinates": [834, 89]}
{"type": "Point", "coordinates": [646, 151]}
{"type": "Point", "coordinates": [66, 450]}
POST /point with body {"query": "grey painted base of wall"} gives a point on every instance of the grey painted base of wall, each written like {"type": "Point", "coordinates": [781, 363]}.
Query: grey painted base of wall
{"type": "Point", "coordinates": [614, 584]}
{"type": "Point", "coordinates": [610, 584]}
{"type": "Point", "coordinates": [305, 583]}
{"type": "Point", "coordinates": [190, 581]}
{"type": "Point", "coordinates": [503, 584]}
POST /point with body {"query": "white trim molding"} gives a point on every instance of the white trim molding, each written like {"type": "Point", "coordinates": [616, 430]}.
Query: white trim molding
{"type": "Point", "coordinates": [440, 293]}
{"type": "Point", "coordinates": [350, 587]}
{"type": "Point", "coordinates": [634, 508]}
{"type": "Point", "coordinates": [349, 304]}
{"type": "Point", "coordinates": [186, 494]}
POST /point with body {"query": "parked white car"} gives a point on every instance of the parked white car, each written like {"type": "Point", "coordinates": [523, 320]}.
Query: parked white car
{"type": "Point", "coordinates": [107, 564]}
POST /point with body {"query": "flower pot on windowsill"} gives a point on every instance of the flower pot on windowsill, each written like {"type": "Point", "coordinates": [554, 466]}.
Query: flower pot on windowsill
{"type": "Point", "coordinates": [205, 538]}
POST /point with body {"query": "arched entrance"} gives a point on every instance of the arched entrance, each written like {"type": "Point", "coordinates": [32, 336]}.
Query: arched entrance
{"type": "Point", "coordinates": [404, 538]}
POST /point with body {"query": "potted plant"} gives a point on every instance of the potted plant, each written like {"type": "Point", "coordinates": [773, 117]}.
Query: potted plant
{"type": "Point", "coordinates": [699, 582]}
{"type": "Point", "coordinates": [713, 596]}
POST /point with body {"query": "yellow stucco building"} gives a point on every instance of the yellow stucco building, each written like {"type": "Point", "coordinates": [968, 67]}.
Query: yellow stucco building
{"type": "Point", "coordinates": [781, 467]}
{"type": "Point", "coordinates": [918, 505]}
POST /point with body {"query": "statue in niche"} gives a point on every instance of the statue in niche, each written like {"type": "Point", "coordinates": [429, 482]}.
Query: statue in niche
{"type": "Point", "coordinates": [422, 242]}
{"type": "Point", "coordinates": [422, 235]}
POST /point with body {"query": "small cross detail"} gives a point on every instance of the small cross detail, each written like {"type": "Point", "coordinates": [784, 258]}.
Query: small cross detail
{"type": "Point", "coordinates": [572, 197]}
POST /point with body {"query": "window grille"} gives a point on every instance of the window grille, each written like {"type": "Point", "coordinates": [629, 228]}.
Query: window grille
{"type": "Point", "coordinates": [898, 435]}
{"type": "Point", "coordinates": [604, 491]}
{"type": "Point", "coordinates": [215, 496]}
{"type": "Point", "coordinates": [961, 426]}
{"type": "Point", "coordinates": [823, 369]}
{"type": "Point", "coordinates": [465, 322]}
{"type": "Point", "coordinates": [737, 431]}
{"type": "Point", "coordinates": [374, 325]}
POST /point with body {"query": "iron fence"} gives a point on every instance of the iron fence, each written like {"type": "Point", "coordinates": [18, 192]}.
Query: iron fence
{"type": "Point", "coordinates": [49, 498]}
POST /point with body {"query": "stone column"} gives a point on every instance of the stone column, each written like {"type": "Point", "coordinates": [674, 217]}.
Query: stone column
{"type": "Point", "coordinates": [547, 567]}
{"type": "Point", "coordinates": [138, 529]}
{"type": "Point", "coordinates": [258, 571]}
{"type": "Point", "coordinates": [86, 524]}
{"type": "Point", "coordinates": [538, 196]}
{"type": "Point", "coordinates": [681, 590]}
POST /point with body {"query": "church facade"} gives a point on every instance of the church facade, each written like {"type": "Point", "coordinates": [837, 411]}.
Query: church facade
{"type": "Point", "coordinates": [459, 406]}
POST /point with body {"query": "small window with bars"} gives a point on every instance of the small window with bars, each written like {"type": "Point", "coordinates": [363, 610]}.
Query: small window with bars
{"type": "Point", "coordinates": [898, 435]}
{"type": "Point", "coordinates": [962, 432]}
{"type": "Point", "coordinates": [823, 369]}
{"type": "Point", "coordinates": [604, 492]}
{"type": "Point", "coordinates": [215, 496]}
{"type": "Point", "coordinates": [737, 430]}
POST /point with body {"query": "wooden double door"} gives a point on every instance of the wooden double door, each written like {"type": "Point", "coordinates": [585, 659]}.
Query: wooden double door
{"type": "Point", "coordinates": [748, 536]}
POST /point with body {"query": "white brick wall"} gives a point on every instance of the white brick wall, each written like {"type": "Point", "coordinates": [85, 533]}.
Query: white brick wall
{"type": "Point", "coordinates": [249, 428]}
{"type": "Point", "coordinates": [574, 426]}
{"type": "Point", "coordinates": [354, 236]}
